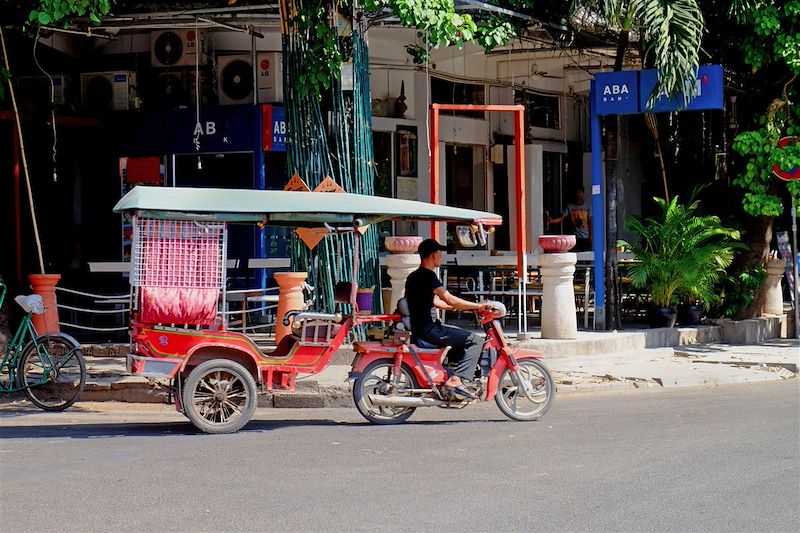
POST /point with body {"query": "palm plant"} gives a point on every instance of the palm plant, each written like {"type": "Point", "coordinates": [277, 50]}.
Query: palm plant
{"type": "Point", "coordinates": [680, 253]}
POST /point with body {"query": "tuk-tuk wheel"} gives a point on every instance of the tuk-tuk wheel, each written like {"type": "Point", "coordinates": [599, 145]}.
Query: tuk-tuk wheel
{"type": "Point", "coordinates": [219, 396]}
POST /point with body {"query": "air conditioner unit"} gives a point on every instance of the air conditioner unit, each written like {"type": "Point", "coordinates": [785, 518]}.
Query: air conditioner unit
{"type": "Point", "coordinates": [108, 91]}
{"type": "Point", "coordinates": [270, 78]}
{"type": "Point", "coordinates": [177, 48]}
{"type": "Point", "coordinates": [173, 89]}
{"type": "Point", "coordinates": [235, 78]}
{"type": "Point", "coordinates": [36, 89]}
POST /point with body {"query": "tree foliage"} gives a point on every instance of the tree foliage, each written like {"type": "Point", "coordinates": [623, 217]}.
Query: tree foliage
{"type": "Point", "coordinates": [62, 12]}
{"type": "Point", "coordinates": [771, 47]}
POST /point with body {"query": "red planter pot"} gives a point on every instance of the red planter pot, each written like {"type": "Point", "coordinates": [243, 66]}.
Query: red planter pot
{"type": "Point", "coordinates": [554, 244]}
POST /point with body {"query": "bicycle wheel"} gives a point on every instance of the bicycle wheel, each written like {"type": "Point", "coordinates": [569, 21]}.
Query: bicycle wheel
{"type": "Point", "coordinates": [52, 371]}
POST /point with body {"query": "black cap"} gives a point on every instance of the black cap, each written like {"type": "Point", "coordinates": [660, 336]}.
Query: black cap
{"type": "Point", "coordinates": [428, 247]}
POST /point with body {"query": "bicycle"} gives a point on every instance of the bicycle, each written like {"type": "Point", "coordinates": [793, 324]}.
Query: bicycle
{"type": "Point", "coordinates": [49, 368]}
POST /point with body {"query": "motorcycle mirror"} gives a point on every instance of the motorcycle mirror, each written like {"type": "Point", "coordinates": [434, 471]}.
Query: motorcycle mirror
{"type": "Point", "coordinates": [481, 234]}
{"type": "Point", "coordinates": [466, 237]}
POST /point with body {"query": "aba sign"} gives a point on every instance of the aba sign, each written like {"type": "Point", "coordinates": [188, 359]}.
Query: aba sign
{"type": "Point", "coordinates": [627, 92]}
{"type": "Point", "coordinates": [617, 93]}
{"type": "Point", "coordinates": [274, 132]}
{"type": "Point", "coordinates": [707, 91]}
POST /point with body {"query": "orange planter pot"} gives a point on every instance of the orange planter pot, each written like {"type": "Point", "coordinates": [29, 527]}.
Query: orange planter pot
{"type": "Point", "coordinates": [290, 298]}
{"type": "Point", "coordinates": [45, 286]}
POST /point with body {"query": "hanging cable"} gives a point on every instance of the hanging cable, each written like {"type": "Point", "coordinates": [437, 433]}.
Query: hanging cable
{"type": "Point", "coordinates": [197, 127]}
{"type": "Point", "coordinates": [427, 95]}
{"type": "Point", "coordinates": [52, 102]}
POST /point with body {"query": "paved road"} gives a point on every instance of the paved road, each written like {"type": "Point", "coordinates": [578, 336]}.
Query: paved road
{"type": "Point", "coordinates": [694, 459]}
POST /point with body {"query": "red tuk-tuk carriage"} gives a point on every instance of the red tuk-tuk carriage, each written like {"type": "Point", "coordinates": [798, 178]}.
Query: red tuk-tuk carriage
{"type": "Point", "coordinates": [179, 331]}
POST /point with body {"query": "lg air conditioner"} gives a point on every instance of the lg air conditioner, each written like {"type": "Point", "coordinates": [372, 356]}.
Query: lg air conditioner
{"type": "Point", "coordinates": [235, 78]}
{"type": "Point", "coordinates": [177, 48]}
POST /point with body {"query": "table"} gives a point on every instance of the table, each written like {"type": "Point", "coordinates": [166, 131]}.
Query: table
{"type": "Point", "coordinates": [248, 296]}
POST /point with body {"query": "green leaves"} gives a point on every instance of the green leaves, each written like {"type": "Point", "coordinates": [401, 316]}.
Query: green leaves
{"type": "Point", "coordinates": [64, 11]}
{"type": "Point", "coordinates": [5, 76]}
{"type": "Point", "coordinates": [496, 31]}
{"type": "Point", "coordinates": [321, 62]}
{"type": "Point", "coordinates": [671, 32]}
{"type": "Point", "coordinates": [761, 151]}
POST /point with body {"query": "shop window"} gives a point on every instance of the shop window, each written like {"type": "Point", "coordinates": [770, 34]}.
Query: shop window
{"type": "Point", "coordinates": [449, 92]}
{"type": "Point", "coordinates": [384, 182]}
{"type": "Point", "coordinates": [541, 111]}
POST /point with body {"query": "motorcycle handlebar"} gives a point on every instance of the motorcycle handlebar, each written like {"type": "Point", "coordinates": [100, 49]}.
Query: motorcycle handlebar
{"type": "Point", "coordinates": [496, 308]}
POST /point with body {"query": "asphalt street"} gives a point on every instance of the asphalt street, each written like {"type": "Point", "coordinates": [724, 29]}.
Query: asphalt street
{"type": "Point", "coordinates": [721, 459]}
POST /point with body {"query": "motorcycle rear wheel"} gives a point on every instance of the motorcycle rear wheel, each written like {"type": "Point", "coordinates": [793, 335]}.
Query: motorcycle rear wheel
{"type": "Point", "coordinates": [375, 378]}
{"type": "Point", "coordinates": [515, 404]}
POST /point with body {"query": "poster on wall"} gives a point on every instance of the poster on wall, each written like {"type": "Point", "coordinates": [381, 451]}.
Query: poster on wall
{"type": "Point", "coordinates": [134, 171]}
{"type": "Point", "coordinates": [785, 250]}
{"type": "Point", "coordinates": [406, 150]}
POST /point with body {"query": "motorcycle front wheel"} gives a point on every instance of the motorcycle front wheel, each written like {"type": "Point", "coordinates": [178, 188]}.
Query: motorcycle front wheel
{"type": "Point", "coordinates": [517, 404]}
{"type": "Point", "coordinates": [378, 378]}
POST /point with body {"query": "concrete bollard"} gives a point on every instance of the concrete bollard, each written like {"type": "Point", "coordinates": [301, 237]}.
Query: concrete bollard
{"type": "Point", "coordinates": [401, 261]}
{"type": "Point", "coordinates": [773, 295]}
{"type": "Point", "coordinates": [559, 319]}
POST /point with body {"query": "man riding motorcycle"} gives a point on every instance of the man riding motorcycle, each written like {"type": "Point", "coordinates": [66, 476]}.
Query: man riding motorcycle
{"type": "Point", "coordinates": [425, 292]}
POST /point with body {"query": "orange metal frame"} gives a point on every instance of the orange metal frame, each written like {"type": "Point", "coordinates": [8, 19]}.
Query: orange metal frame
{"type": "Point", "coordinates": [519, 163]}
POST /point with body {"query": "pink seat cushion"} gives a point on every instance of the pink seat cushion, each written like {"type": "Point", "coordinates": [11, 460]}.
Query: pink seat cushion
{"type": "Point", "coordinates": [163, 305]}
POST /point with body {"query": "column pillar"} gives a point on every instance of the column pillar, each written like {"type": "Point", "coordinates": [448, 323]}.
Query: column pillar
{"type": "Point", "coordinates": [773, 294]}
{"type": "Point", "coordinates": [45, 286]}
{"type": "Point", "coordinates": [558, 312]}
{"type": "Point", "coordinates": [290, 298]}
{"type": "Point", "coordinates": [401, 261]}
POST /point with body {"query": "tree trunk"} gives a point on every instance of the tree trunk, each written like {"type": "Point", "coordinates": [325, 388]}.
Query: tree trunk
{"type": "Point", "coordinates": [612, 226]}
{"type": "Point", "coordinates": [613, 320]}
{"type": "Point", "coordinates": [758, 239]}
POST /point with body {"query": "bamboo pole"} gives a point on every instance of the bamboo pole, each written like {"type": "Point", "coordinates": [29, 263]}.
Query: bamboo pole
{"type": "Point", "coordinates": [24, 158]}
{"type": "Point", "coordinates": [650, 118]}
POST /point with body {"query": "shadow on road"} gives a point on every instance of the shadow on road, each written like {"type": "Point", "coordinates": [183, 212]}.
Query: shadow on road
{"type": "Point", "coordinates": [169, 429]}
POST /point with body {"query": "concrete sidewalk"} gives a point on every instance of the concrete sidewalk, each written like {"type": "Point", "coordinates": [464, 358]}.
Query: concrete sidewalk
{"type": "Point", "coordinates": [682, 366]}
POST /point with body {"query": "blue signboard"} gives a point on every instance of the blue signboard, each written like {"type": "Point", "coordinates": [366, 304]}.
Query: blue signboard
{"type": "Point", "coordinates": [616, 93]}
{"type": "Point", "coordinates": [708, 91]}
{"type": "Point", "coordinates": [220, 129]}
{"type": "Point", "coordinates": [279, 131]}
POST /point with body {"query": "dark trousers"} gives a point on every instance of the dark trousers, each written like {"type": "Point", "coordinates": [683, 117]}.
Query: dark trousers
{"type": "Point", "coordinates": [465, 347]}
{"type": "Point", "coordinates": [582, 245]}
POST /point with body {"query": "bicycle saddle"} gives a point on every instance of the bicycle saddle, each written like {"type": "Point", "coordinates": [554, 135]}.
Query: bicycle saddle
{"type": "Point", "coordinates": [31, 303]}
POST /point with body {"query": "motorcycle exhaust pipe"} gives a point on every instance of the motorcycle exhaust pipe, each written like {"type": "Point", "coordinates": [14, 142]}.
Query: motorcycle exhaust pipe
{"type": "Point", "coordinates": [404, 401]}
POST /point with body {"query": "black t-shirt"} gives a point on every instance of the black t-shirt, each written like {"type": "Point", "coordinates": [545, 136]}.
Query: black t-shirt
{"type": "Point", "coordinates": [420, 285]}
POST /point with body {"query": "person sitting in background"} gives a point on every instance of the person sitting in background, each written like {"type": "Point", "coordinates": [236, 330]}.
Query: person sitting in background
{"type": "Point", "coordinates": [579, 214]}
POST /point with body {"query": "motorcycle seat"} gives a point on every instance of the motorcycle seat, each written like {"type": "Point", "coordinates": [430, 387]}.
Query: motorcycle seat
{"type": "Point", "coordinates": [424, 345]}
{"type": "Point", "coordinates": [405, 319]}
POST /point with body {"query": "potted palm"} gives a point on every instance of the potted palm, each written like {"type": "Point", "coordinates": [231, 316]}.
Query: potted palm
{"type": "Point", "coordinates": [679, 254]}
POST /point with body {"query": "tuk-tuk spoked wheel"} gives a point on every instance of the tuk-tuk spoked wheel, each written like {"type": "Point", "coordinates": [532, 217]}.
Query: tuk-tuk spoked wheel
{"type": "Point", "coordinates": [219, 396]}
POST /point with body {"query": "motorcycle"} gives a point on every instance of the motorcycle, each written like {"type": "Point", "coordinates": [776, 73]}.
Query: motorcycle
{"type": "Point", "coordinates": [393, 377]}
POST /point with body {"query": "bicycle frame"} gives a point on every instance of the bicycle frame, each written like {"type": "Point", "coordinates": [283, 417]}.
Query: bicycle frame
{"type": "Point", "coordinates": [26, 331]}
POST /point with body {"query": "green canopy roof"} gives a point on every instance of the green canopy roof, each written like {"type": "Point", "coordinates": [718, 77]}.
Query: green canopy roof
{"type": "Point", "coordinates": [287, 208]}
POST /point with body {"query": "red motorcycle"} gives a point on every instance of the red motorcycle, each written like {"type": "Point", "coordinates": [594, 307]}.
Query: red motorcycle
{"type": "Point", "coordinates": [393, 377]}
